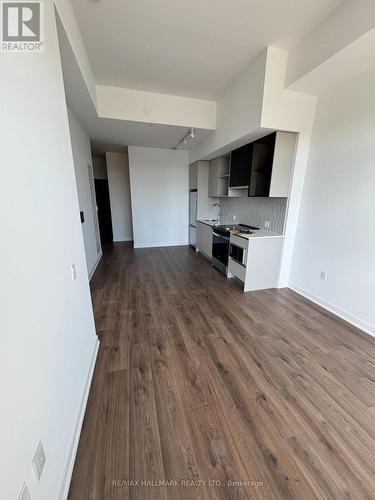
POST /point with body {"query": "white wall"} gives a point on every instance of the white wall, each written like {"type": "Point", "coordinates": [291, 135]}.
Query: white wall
{"type": "Point", "coordinates": [159, 180]}
{"type": "Point", "coordinates": [68, 19]}
{"type": "Point", "coordinates": [293, 112]}
{"type": "Point", "coordinates": [82, 159]}
{"type": "Point", "coordinates": [119, 194]}
{"type": "Point", "coordinates": [336, 227]}
{"type": "Point", "coordinates": [150, 107]}
{"type": "Point", "coordinates": [327, 54]}
{"type": "Point", "coordinates": [47, 330]}
{"type": "Point", "coordinates": [100, 167]}
{"type": "Point", "coordinates": [239, 110]}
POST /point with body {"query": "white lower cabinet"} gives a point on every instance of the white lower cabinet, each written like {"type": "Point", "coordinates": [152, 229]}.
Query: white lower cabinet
{"type": "Point", "coordinates": [204, 239]}
{"type": "Point", "coordinates": [262, 263]}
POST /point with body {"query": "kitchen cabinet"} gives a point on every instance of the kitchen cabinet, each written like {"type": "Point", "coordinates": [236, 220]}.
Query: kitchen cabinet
{"type": "Point", "coordinates": [261, 166]}
{"type": "Point", "coordinates": [201, 206]}
{"type": "Point", "coordinates": [261, 268]}
{"type": "Point", "coordinates": [199, 173]}
{"type": "Point", "coordinates": [240, 166]}
{"type": "Point", "coordinates": [272, 165]}
{"type": "Point", "coordinates": [283, 163]}
{"type": "Point", "coordinates": [204, 239]}
{"type": "Point", "coordinates": [218, 177]}
{"type": "Point", "coordinates": [218, 184]}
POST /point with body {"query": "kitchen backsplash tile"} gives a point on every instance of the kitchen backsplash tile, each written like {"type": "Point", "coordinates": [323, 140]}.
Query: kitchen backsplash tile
{"type": "Point", "coordinates": [254, 212]}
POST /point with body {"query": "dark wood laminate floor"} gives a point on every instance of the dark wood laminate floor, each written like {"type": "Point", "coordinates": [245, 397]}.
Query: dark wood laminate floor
{"type": "Point", "coordinates": [201, 384]}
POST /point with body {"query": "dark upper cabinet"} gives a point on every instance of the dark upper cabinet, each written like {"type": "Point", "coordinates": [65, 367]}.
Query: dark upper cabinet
{"type": "Point", "coordinates": [261, 167]}
{"type": "Point", "coordinates": [264, 167]}
{"type": "Point", "coordinates": [240, 166]}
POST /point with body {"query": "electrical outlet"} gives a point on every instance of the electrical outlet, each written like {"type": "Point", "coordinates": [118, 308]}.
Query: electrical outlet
{"type": "Point", "coordinates": [24, 493]}
{"type": "Point", "coordinates": [73, 270]}
{"type": "Point", "coordinates": [39, 460]}
{"type": "Point", "coordinates": [323, 275]}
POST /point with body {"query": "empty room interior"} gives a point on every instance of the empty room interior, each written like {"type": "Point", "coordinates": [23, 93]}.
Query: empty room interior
{"type": "Point", "coordinates": [187, 291]}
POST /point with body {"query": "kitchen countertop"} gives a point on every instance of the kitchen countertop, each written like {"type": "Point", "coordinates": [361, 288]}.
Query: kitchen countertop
{"type": "Point", "coordinates": [258, 233]}
{"type": "Point", "coordinates": [209, 222]}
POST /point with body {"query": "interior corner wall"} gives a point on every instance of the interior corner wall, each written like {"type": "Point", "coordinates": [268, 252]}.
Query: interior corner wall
{"type": "Point", "coordinates": [294, 112]}
{"type": "Point", "coordinates": [159, 180]}
{"type": "Point", "coordinates": [100, 168]}
{"type": "Point", "coordinates": [336, 225]}
{"type": "Point", "coordinates": [67, 16]}
{"type": "Point", "coordinates": [239, 110]}
{"type": "Point", "coordinates": [82, 162]}
{"type": "Point", "coordinates": [48, 340]}
{"type": "Point", "coordinates": [119, 195]}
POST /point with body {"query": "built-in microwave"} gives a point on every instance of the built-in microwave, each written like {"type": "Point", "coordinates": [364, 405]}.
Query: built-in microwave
{"type": "Point", "coordinates": [238, 254]}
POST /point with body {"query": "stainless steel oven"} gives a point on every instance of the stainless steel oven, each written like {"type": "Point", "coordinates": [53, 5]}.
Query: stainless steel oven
{"type": "Point", "coordinates": [220, 249]}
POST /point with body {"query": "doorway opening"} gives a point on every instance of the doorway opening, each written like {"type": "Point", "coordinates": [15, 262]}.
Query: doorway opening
{"type": "Point", "coordinates": [103, 200]}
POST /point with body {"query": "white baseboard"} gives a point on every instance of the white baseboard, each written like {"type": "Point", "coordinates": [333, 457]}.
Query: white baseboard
{"type": "Point", "coordinates": [100, 255]}
{"type": "Point", "coordinates": [282, 285]}
{"type": "Point", "coordinates": [126, 238]}
{"type": "Point", "coordinates": [162, 244]}
{"type": "Point", "coordinates": [69, 464]}
{"type": "Point", "coordinates": [347, 316]}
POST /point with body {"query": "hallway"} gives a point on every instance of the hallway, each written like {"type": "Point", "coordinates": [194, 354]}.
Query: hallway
{"type": "Point", "coordinates": [200, 385]}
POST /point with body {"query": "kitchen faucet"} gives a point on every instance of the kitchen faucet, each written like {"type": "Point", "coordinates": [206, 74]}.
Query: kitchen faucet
{"type": "Point", "coordinates": [217, 204]}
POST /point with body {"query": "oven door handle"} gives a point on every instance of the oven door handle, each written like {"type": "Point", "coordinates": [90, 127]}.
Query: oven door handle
{"type": "Point", "coordinates": [244, 257]}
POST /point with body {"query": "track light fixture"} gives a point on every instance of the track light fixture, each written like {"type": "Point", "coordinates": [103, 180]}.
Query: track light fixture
{"type": "Point", "coordinates": [189, 134]}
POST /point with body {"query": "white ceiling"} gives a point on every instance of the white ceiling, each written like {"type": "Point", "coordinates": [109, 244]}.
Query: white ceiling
{"type": "Point", "coordinates": [107, 134]}
{"type": "Point", "coordinates": [188, 47]}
